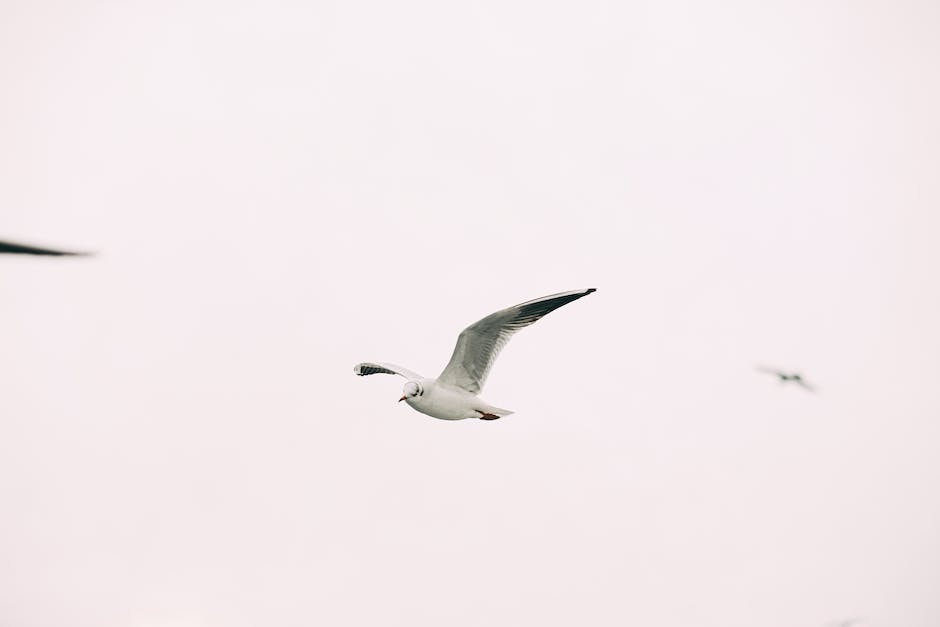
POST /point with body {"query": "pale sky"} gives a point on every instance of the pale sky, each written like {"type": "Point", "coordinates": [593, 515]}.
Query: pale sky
{"type": "Point", "coordinates": [280, 190]}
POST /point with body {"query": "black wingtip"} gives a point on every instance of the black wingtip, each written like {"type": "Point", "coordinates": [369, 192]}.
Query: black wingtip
{"type": "Point", "coordinates": [25, 249]}
{"type": "Point", "coordinates": [591, 289]}
{"type": "Point", "coordinates": [73, 254]}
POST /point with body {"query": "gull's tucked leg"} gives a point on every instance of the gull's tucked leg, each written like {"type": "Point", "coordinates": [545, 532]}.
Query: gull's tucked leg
{"type": "Point", "coordinates": [486, 416]}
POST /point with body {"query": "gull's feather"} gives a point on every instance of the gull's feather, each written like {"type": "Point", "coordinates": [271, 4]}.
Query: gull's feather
{"type": "Point", "coordinates": [480, 343]}
{"type": "Point", "coordinates": [367, 368]}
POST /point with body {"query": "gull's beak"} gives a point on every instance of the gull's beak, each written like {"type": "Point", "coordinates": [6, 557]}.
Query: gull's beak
{"type": "Point", "coordinates": [402, 398]}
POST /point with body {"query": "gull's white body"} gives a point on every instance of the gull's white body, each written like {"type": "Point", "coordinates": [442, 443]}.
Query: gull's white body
{"type": "Point", "coordinates": [451, 403]}
{"type": "Point", "coordinates": [454, 394]}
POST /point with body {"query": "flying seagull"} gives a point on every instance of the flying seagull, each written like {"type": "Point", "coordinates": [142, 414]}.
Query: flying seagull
{"type": "Point", "coordinates": [453, 395]}
{"type": "Point", "coordinates": [786, 377]}
{"type": "Point", "coordinates": [22, 249]}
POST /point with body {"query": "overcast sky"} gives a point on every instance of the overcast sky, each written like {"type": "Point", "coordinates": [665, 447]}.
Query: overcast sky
{"type": "Point", "coordinates": [280, 190]}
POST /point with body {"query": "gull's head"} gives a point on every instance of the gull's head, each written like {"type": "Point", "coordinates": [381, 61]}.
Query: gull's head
{"type": "Point", "coordinates": [412, 389]}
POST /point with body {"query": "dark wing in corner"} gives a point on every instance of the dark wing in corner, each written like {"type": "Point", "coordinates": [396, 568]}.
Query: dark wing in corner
{"type": "Point", "coordinates": [23, 249]}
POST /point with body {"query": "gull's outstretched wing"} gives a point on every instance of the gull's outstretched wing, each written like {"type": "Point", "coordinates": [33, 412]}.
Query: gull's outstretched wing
{"type": "Point", "coordinates": [480, 343]}
{"type": "Point", "coordinates": [23, 249]}
{"type": "Point", "coordinates": [379, 368]}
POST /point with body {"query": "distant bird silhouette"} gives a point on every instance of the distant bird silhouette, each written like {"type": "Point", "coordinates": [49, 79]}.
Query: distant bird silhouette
{"type": "Point", "coordinates": [22, 249]}
{"type": "Point", "coordinates": [786, 377]}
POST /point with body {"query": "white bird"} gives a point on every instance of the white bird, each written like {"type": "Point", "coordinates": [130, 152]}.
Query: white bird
{"type": "Point", "coordinates": [453, 395]}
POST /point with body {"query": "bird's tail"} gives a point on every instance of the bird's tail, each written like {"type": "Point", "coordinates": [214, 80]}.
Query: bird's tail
{"type": "Point", "coordinates": [496, 411]}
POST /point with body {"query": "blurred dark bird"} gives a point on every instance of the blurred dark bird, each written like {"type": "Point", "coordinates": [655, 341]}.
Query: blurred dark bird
{"type": "Point", "coordinates": [786, 377]}
{"type": "Point", "coordinates": [22, 249]}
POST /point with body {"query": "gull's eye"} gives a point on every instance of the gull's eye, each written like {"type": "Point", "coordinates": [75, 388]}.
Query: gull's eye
{"type": "Point", "coordinates": [411, 389]}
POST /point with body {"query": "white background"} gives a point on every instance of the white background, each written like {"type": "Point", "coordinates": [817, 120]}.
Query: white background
{"type": "Point", "coordinates": [280, 190]}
